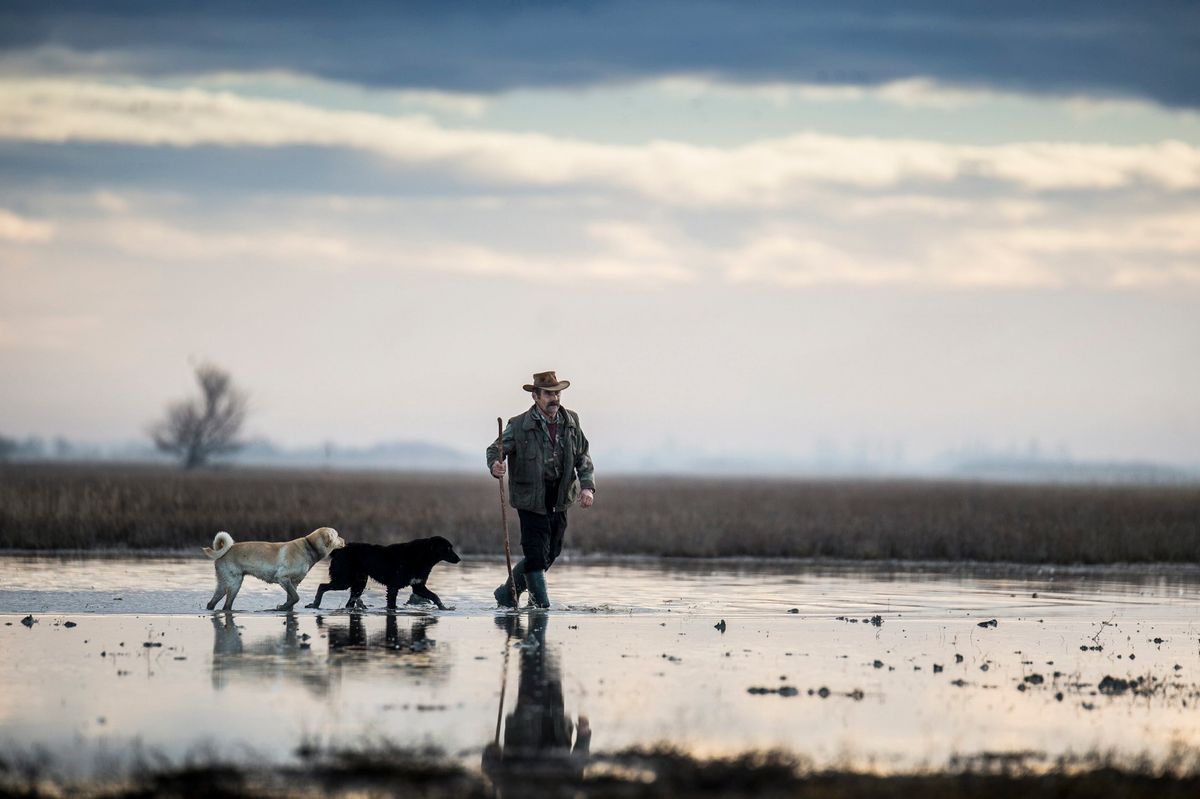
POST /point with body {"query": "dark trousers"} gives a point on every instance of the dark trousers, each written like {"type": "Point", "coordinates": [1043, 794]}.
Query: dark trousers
{"type": "Point", "coordinates": [542, 533]}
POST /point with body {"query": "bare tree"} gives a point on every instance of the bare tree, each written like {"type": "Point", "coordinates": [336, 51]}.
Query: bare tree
{"type": "Point", "coordinates": [196, 429]}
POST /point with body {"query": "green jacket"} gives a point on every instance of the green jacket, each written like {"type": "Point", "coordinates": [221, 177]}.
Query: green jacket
{"type": "Point", "coordinates": [527, 448]}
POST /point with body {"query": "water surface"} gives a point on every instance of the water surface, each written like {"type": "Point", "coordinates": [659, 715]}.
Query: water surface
{"type": "Point", "coordinates": [878, 668]}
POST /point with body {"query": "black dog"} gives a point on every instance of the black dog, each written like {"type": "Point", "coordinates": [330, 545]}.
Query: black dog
{"type": "Point", "coordinates": [396, 566]}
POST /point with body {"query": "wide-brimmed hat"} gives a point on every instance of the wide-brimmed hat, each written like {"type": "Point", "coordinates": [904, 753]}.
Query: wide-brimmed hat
{"type": "Point", "coordinates": [546, 381]}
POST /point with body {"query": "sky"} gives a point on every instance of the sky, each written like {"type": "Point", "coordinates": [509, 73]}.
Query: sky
{"type": "Point", "coordinates": [739, 229]}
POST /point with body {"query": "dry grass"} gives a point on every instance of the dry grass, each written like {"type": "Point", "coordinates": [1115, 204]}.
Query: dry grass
{"type": "Point", "coordinates": [103, 507]}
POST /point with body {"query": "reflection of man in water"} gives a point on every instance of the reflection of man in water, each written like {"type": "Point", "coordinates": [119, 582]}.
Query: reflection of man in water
{"type": "Point", "coordinates": [537, 733]}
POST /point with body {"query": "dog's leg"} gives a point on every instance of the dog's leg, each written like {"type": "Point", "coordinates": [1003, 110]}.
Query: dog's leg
{"type": "Point", "coordinates": [420, 590]}
{"type": "Point", "coordinates": [321, 589]}
{"type": "Point", "coordinates": [231, 590]}
{"type": "Point", "coordinates": [220, 592]}
{"type": "Point", "coordinates": [332, 585]}
{"type": "Point", "coordinates": [392, 591]}
{"type": "Point", "coordinates": [292, 596]}
{"type": "Point", "coordinates": [356, 589]}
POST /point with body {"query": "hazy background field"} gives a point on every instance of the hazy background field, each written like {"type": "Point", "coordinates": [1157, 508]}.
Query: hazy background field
{"type": "Point", "coordinates": [54, 507]}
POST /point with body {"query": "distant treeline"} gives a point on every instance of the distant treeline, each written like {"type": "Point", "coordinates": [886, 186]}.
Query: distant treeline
{"type": "Point", "coordinates": [52, 507]}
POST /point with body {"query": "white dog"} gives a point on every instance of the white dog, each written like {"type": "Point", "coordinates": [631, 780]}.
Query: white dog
{"type": "Point", "coordinates": [286, 564]}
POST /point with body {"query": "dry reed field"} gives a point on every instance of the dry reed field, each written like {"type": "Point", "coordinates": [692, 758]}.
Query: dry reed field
{"type": "Point", "coordinates": [53, 507]}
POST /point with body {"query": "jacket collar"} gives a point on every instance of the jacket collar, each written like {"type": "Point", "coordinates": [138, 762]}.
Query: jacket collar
{"type": "Point", "coordinates": [531, 418]}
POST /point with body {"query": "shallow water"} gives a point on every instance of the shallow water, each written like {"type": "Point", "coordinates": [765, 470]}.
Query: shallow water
{"type": "Point", "coordinates": [633, 651]}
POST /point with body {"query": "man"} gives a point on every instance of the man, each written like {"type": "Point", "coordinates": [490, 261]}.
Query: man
{"type": "Point", "coordinates": [551, 468]}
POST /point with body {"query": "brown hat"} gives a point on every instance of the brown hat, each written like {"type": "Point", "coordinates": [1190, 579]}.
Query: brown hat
{"type": "Point", "coordinates": [546, 381]}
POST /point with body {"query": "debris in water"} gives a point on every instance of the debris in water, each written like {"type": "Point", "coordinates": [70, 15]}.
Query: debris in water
{"type": "Point", "coordinates": [1112, 686]}
{"type": "Point", "coordinates": [29, 620]}
{"type": "Point", "coordinates": [988, 623]}
{"type": "Point", "coordinates": [720, 626]}
{"type": "Point", "coordinates": [785, 690]}
{"type": "Point", "coordinates": [958, 658]}
{"type": "Point", "coordinates": [793, 610]}
{"type": "Point", "coordinates": [1035, 679]}
{"type": "Point", "coordinates": [937, 669]}
{"type": "Point", "coordinates": [877, 621]}
{"type": "Point", "coordinates": [70, 624]}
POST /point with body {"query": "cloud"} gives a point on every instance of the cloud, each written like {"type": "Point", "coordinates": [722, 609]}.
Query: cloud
{"type": "Point", "coordinates": [26, 231]}
{"type": "Point", "coordinates": [573, 270]}
{"type": "Point", "coordinates": [1102, 48]}
{"type": "Point", "coordinates": [916, 92]}
{"type": "Point", "coordinates": [459, 103]}
{"type": "Point", "coordinates": [924, 206]}
{"type": "Point", "coordinates": [610, 252]}
{"type": "Point", "coordinates": [796, 260]}
{"type": "Point", "coordinates": [1174, 234]}
{"type": "Point", "coordinates": [799, 260]}
{"type": "Point", "coordinates": [765, 173]}
{"type": "Point", "coordinates": [1139, 252]}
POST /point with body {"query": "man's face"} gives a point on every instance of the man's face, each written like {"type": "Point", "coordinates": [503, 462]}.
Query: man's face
{"type": "Point", "coordinates": [547, 402]}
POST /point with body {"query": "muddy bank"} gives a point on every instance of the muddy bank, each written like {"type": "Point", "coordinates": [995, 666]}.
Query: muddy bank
{"type": "Point", "coordinates": [638, 773]}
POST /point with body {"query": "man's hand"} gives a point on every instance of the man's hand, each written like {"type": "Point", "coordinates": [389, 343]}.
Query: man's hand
{"type": "Point", "coordinates": [498, 469]}
{"type": "Point", "coordinates": [587, 498]}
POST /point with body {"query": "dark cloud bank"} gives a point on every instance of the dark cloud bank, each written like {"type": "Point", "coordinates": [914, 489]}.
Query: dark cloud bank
{"type": "Point", "coordinates": [1103, 48]}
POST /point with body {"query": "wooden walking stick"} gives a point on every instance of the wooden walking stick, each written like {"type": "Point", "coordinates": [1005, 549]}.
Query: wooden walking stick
{"type": "Point", "coordinates": [512, 586]}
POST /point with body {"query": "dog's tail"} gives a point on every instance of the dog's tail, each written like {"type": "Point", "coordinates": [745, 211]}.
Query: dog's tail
{"type": "Point", "coordinates": [221, 545]}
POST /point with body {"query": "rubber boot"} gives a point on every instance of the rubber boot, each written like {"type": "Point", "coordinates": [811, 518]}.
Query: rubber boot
{"type": "Point", "coordinates": [504, 597]}
{"type": "Point", "coordinates": [537, 589]}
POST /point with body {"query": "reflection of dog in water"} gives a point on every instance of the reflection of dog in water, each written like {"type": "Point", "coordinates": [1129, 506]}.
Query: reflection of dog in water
{"type": "Point", "coordinates": [272, 655]}
{"type": "Point", "coordinates": [354, 637]}
{"type": "Point", "coordinates": [284, 563]}
{"type": "Point", "coordinates": [538, 732]}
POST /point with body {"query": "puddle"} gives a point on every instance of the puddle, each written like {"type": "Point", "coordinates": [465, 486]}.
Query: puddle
{"type": "Point", "coordinates": [635, 659]}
